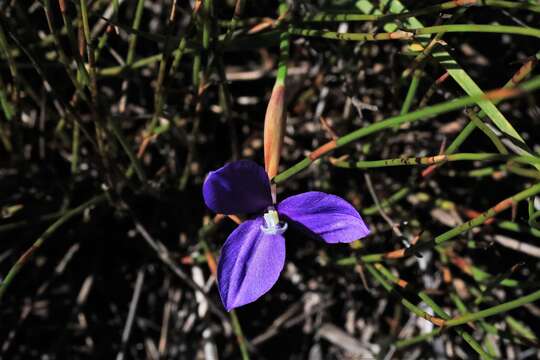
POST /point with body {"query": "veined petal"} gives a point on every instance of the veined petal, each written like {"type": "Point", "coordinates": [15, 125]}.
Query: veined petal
{"type": "Point", "coordinates": [326, 216]}
{"type": "Point", "coordinates": [240, 187]}
{"type": "Point", "coordinates": [250, 264]}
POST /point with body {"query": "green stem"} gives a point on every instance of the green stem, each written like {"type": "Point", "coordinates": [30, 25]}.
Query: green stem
{"type": "Point", "coordinates": [475, 119]}
{"type": "Point", "coordinates": [73, 42]}
{"type": "Point", "coordinates": [396, 35]}
{"type": "Point", "coordinates": [495, 310]}
{"type": "Point", "coordinates": [408, 35]}
{"type": "Point", "coordinates": [284, 48]}
{"type": "Point", "coordinates": [135, 163]}
{"type": "Point", "coordinates": [452, 233]}
{"type": "Point", "coordinates": [480, 219]}
{"type": "Point", "coordinates": [411, 93]}
{"type": "Point", "coordinates": [430, 160]}
{"type": "Point", "coordinates": [75, 148]}
{"type": "Point", "coordinates": [386, 203]}
{"type": "Point", "coordinates": [237, 328]}
{"type": "Point", "coordinates": [390, 288]}
{"type": "Point", "coordinates": [400, 344]}
{"type": "Point", "coordinates": [424, 113]}
{"type": "Point", "coordinates": [446, 60]}
{"type": "Point", "coordinates": [439, 312]}
{"type": "Point", "coordinates": [498, 29]}
{"type": "Point", "coordinates": [60, 50]}
{"type": "Point", "coordinates": [339, 17]}
{"type": "Point", "coordinates": [133, 37]}
{"type": "Point", "coordinates": [23, 259]}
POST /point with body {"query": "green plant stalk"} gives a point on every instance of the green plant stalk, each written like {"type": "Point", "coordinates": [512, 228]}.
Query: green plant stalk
{"type": "Point", "coordinates": [133, 37]}
{"type": "Point", "coordinates": [520, 171]}
{"type": "Point", "coordinates": [520, 328]}
{"type": "Point", "coordinates": [439, 312]}
{"type": "Point", "coordinates": [284, 48]}
{"type": "Point", "coordinates": [398, 14]}
{"type": "Point", "coordinates": [135, 164]}
{"type": "Point", "coordinates": [486, 130]}
{"type": "Point", "coordinates": [23, 259]}
{"type": "Point", "coordinates": [68, 108]}
{"type": "Point", "coordinates": [516, 79]}
{"type": "Point", "coordinates": [4, 46]}
{"type": "Point", "coordinates": [196, 74]}
{"type": "Point", "coordinates": [105, 37]}
{"type": "Point", "coordinates": [161, 87]}
{"type": "Point", "coordinates": [7, 108]}
{"type": "Point", "coordinates": [492, 3]}
{"type": "Point", "coordinates": [515, 227]}
{"type": "Point", "coordinates": [89, 50]}
{"type": "Point", "coordinates": [460, 139]}
{"type": "Point", "coordinates": [411, 92]}
{"type": "Point", "coordinates": [339, 17]}
{"type": "Point", "coordinates": [237, 44]}
{"type": "Point", "coordinates": [12, 65]}
{"type": "Point", "coordinates": [396, 35]}
{"type": "Point", "coordinates": [430, 160]}
{"type": "Point", "coordinates": [494, 310]}
{"type": "Point", "coordinates": [240, 335]}
{"type": "Point", "coordinates": [424, 113]}
{"type": "Point", "coordinates": [480, 219]}
{"type": "Point", "coordinates": [207, 23]}
{"type": "Point", "coordinates": [240, 23]}
{"type": "Point", "coordinates": [60, 51]}
{"type": "Point", "coordinates": [482, 277]}
{"type": "Point", "coordinates": [75, 149]}
{"type": "Point", "coordinates": [388, 287]}
{"type": "Point", "coordinates": [454, 232]}
{"type": "Point", "coordinates": [465, 28]}
{"type": "Point", "coordinates": [484, 325]}
{"type": "Point", "coordinates": [386, 203]}
{"type": "Point", "coordinates": [453, 68]}
{"type": "Point", "coordinates": [73, 42]}
{"type": "Point", "coordinates": [30, 222]}
{"type": "Point", "coordinates": [101, 135]}
{"type": "Point", "coordinates": [401, 344]}
{"type": "Point", "coordinates": [177, 55]}
{"type": "Point", "coordinates": [408, 35]}
{"type": "Point", "coordinates": [503, 224]}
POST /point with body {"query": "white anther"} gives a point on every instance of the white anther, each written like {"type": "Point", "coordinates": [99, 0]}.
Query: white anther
{"type": "Point", "coordinates": [272, 225]}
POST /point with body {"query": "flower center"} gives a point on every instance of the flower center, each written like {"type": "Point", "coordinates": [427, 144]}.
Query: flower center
{"type": "Point", "coordinates": [272, 225]}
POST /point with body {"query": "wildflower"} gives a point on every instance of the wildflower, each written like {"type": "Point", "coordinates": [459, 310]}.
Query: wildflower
{"type": "Point", "coordinates": [254, 254]}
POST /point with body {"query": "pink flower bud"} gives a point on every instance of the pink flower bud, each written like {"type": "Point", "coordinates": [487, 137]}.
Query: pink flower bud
{"type": "Point", "coordinates": [274, 129]}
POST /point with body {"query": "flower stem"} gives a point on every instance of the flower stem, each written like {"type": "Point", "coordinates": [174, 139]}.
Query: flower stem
{"type": "Point", "coordinates": [240, 335]}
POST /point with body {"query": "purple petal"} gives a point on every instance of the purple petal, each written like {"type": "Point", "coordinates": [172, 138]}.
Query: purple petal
{"type": "Point", "coordinates": [241, 187]}
{"type": "Point", "coordinates": [327, 216]}
{"type": "Point", "coordinates": [250, 264]}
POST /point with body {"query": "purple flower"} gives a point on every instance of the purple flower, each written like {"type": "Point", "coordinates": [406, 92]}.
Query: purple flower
{"type": "Point", "coordinates": [254, 254]}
